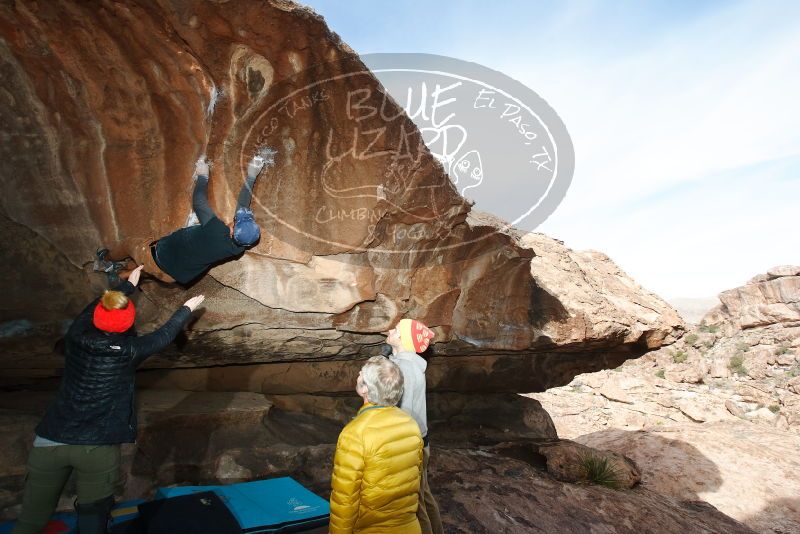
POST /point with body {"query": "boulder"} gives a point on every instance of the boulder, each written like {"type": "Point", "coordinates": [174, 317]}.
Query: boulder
{"type": "Point", "coordinates": [794, 385]}
{"type": "Point", "coordinates": [572, 462]}
{"type": "Point", "coordinates": [759, 303]}
{"type": "Point", "coordinates": [718, 368]}
{"type": "Point", "coordinates": [697, 409]}
{"type": "Point", "coordinates": [785, 358]}
{"type": "Point", "coordinates": [757, 368]}
{"type": "Point", "coordinates": [690, 373]}
{"type": "Point", "coordinates": [734, 408]}
{"type": "Point", "coordinates": [762, 414]}
{"type": "Point", "coordinates": [783, 270]}
{"type": "Point", "coordinates": [758, 278]}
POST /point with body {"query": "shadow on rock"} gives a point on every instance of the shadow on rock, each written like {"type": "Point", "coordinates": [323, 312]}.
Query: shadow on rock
{"type": "Point", "coordinates": [481, 491]}
{"type": "Point", "coordinates": [669, 466]}
{"type": "Point", "coordinates": [740, 468]}
{"type": "Point", "coordinates": [781, 516]}
{"type": "Point", "coordinates": [179, 429]}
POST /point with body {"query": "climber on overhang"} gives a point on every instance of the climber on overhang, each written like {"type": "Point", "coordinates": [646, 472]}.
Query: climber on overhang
{"type": "Point", "coordinates": [187, 253]}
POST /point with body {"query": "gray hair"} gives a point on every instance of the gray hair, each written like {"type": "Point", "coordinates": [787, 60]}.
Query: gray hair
{"type": "Point", "coordinates": [384, 381]}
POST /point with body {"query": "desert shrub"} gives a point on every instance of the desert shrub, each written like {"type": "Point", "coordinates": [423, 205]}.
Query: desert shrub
{"type": "Point", "coordinates": [774, 408]}
{"type": "Point", "coordinates": [691, 339]}
{"type": "Point", "coordinates": [709, 329]}
{"type": "Point", "coordinates": [736, 365]}
{"type": "Point", "coordinates": [742, 347]}
{"type": "Point", "coordinates": [782, 349]}
{"type": "Point", "coordinates": [660, 373]}
{"type": "Point", "coordinates": [599, 471]}
{"type": "Point", "coordinates": [679, 356]}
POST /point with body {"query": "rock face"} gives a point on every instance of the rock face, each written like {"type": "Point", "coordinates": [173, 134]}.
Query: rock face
{"type": "Point", "coordinates": [222, 437]}
{"type": "Point", "coordinates": [768, 299]}
{"type": "Point", "coordinates": [103, 110]}
{"type": "Point", "coordinates": [100, 129]}
{"type": "Point", "coordinates": [716, 416]}
{"type": "Point", "coordinates": [747, 349]}
{"type": "Point", "coordinates": [687, 442]}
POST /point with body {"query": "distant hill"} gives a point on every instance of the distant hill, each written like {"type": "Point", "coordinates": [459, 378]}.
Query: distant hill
{"type": "Point", "coordinates": [693, 309]}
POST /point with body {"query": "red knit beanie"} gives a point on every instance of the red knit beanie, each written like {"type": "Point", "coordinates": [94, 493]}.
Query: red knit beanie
{"type": "Point", "coordinates": [414, 336]}
{"type": "Point", "coordinates": [114, 320]}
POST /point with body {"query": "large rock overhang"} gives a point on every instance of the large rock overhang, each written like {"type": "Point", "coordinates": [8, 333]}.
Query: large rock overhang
{"type": "Point", "coordinates": [100, 128]}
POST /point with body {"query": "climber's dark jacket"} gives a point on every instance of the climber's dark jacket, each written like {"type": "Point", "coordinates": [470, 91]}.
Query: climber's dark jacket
{"type": "Point", "coordinates": [95, 400]}
{"type": "Point", "coordinates": [187, 253]}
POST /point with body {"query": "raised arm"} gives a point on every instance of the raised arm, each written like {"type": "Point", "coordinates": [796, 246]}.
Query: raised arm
{"type": "Point", "coordinates": [246, 192]}
{"type": "Point", "coordinates": [265, 158]}
{"type": "Point", "coordinates": [200, 194]}
{"type": "Point", "coordinates": [147, 345]}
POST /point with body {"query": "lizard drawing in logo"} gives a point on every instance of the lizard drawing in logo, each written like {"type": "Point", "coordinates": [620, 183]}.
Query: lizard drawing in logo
{"type": "Point", "coordinates": [467, 172]}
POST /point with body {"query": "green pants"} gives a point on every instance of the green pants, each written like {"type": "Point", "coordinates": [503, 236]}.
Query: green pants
{"type": "Point", "coordinates": [96, 473]}
{"type": "Point", "coordinates": [428, 510]}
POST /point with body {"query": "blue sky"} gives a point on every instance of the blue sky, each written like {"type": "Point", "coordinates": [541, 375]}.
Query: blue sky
{"type": "Point", "coordinates": [685, 118]}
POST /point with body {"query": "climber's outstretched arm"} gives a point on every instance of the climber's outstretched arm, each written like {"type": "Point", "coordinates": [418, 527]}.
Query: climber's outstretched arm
{"type": "Point", "coordinates": [200, 195]}
{"type": "Point", "coordinates": [265, 158]}
{"type": "Point", "coordinates": [246, 193]}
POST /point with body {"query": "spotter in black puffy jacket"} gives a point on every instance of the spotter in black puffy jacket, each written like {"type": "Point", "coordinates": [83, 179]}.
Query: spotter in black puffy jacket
{"type": "Point", "coordinates": [95, 400]}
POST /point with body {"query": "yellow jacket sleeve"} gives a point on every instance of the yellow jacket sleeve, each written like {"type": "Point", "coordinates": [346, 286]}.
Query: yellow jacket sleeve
{"type": "Point", "coordinates": [348, 470]}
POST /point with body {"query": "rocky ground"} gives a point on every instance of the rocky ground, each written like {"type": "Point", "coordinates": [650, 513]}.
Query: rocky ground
{"type": "Point", "coordinates": [504, 471]}
{"type": "Point", "coordinates": [716, 416]}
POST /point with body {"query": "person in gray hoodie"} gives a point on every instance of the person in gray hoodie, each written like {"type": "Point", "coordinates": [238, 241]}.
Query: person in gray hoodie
{"type": "Point", "coordinates": [407, 340]}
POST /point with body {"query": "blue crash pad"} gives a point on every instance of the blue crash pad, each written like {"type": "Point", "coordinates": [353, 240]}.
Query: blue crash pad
{"type": "Point", "coordinates": [266, 506]}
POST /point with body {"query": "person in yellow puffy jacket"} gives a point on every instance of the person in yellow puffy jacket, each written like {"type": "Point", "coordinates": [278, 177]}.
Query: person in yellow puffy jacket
{"type": "Point", "coordinates": [378, 461]}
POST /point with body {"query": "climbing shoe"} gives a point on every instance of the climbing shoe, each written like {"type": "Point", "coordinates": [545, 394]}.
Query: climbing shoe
{"type": "Point", "coordinates": [101, 264]}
